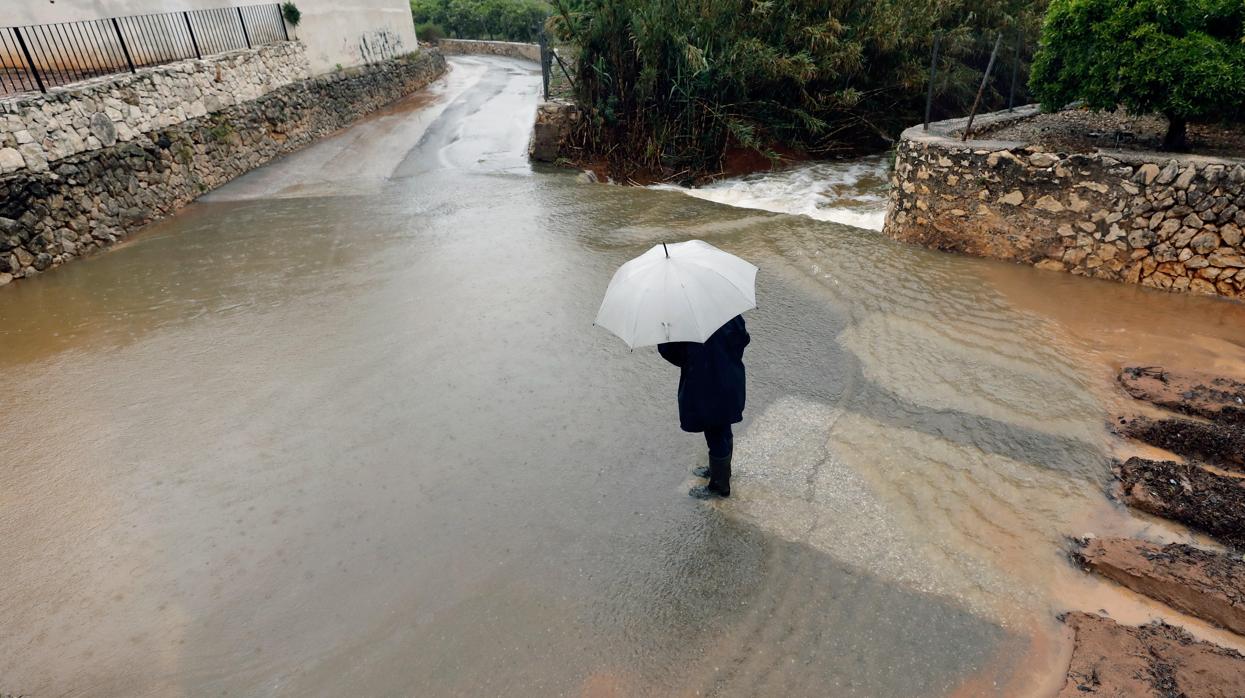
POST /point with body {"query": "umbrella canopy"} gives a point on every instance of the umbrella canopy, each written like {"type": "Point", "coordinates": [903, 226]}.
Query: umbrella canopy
{"type": "Point", "coordinates": [677, 293]}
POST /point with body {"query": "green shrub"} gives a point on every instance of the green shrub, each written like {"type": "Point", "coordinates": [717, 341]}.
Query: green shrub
{"type": "Point", "coordinates": [291, 13]}
{"type": "Point", "coordinates": [670, 85]}
{"type": "Point", "coordinates": [429, 32]}
{"type": "Point", "coordinates": [507, 20]}
{"type": "Point", "coordinates": [1184, 59]}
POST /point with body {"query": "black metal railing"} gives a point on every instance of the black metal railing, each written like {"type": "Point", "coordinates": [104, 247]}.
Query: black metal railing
{"type": "Point", "coordinates": [41, 56]}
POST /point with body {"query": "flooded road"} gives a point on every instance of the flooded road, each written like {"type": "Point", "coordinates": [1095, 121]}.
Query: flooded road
{"type": "Point", "coordinates": [344, 427]}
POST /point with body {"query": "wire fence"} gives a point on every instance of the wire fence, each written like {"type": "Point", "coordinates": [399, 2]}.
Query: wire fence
{"type": "Point", "coordinates": [42, 56]}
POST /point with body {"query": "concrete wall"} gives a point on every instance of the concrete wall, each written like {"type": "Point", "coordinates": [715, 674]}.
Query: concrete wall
{"type": "Point", "coordinates": [335, 32]}
{"type": "Point", "coordinates": [1172, 223]}
{"type": "Point", "coordinates": [82, 186]}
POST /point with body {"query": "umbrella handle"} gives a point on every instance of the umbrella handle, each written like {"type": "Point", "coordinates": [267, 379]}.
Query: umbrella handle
{"type": "Point", "coordinates": [667, 249]}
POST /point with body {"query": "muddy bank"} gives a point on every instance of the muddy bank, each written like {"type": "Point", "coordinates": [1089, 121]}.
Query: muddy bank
{"type": "Point", "coordinates": [1191, 495]}
{"type": "Point", "coordinates": [1159, 660]}
{"type": "Point", "coordinates": [1221, 445]}
{"type": "Point", "coordinates": [1206, 584]}
{"type": "Point", "coordinates": [1216, 398]}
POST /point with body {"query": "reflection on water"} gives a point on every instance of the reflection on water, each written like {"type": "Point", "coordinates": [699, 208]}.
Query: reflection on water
{"type": "Point", "coordinates": [294, 442]}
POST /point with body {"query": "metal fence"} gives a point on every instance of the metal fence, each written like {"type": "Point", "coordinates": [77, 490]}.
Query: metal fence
{"type": "Point", "coordinates": [41, 56]}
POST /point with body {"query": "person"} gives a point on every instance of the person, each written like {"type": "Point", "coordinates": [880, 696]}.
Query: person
{"type": "Point", "coordinates": [711, 397]}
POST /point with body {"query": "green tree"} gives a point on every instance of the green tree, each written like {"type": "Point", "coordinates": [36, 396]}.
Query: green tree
{"type": "Point", "coordinates": [1184, 59]}
{"type": "Point", "coordinates": [671, 85]}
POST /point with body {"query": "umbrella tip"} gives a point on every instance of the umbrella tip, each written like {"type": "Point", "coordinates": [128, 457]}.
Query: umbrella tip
{"type": "Point", "coordinates": [667, 249]}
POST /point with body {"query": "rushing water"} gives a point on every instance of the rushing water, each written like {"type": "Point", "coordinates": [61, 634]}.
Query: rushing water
{"type": "Point", "coordinates": [344, 427]}
{"type": "Point", "coordinates": [852, 192]}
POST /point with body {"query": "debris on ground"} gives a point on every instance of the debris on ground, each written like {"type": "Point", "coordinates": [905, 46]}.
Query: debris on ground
{"type": "Point", "coordinates": [1189, 494]}
{"type": "Point", "coordinates": [1220, 445]}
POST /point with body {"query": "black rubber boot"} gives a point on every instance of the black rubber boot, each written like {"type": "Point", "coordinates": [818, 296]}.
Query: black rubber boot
{"type": "Point", "coordinates": [719, 480]}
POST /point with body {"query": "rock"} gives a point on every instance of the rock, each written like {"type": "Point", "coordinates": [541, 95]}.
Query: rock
{"type": "Point", "coordinates": [1141, 238]}
{"type": "Point", "coordinates": [1216, 398]}
{"type": "Point", "coordinates": [1204, 242]}
{"type": "Point", "coordinates": [43, 260]}
{"type": "Point", "coordinates": [1185, 178]}
{"type": "Point", "coordinates": [1183, 237]}
{"type": "Point", "coordinates": [1002, 157]}
{"type": "Point", "coordinates": [1231, 235]}
{"type": "Point", "coordinates": [1146, 173]}
{"type": "Point", "coordinates": [1207, 585]}
{"type": "Point", "coordinates": [36, 160]}
{"type": "Point", "coordinates": [1169, 228]}
{"type": "Point", "coordinates": [5, 278]}
{"type": "Point", "coordinates": [102, 128]}
{"type": "Point", "coordinates": [1196, 262]}
{"type": "Point", "coordinates": [11, 159]}
{"type": "Point", "coordinates": [1203, 286]}
{"type": "Point", "coordinates": [1051, 265]}
{"type": "Point", "coordinates": [24, 258]}
{"type": "Point", "coordinates": [1169, 173]}
{"type": "Point", "coordinates": [1188, 494]}
{"type": "Point", "coordinates": [1013, 198]}
{"type": "Point", "coordinates": [1043, 160]}
{"type": "Point", "coordinates": [1048, 203]}
{"type": "Point", "coordinates": [1227, 260]}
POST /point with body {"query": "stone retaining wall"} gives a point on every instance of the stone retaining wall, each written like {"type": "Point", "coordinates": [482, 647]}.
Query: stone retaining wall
{"type": "Point", "coordinates": [1174, 223]}
{"type": "Point", "coordinates": [80, 202]}
{"type": "Point", "coordinates": [510, 49]}
{"type": "Point", "coordinates": [42, 129]}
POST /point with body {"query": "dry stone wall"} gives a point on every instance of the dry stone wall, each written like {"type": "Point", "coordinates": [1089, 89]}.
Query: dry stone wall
{"type": "Point", "coordinates": [1172, 223]}
{"type": "Point", "coordinates": [510, 49]}
{"type": "Point", "coordinates": [69, 205]}
{"type": "Point", "coordinates": [40, 130]}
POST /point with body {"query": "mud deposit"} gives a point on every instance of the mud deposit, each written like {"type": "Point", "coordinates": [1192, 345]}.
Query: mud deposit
{"type": "Point", "coordinates": [1216, 398]}
{"type": "Point", "coordinates": [1157, 660]}
{"type": "Point", "coordinates": [1184, 492]}
{"type": "Point", "coordinates": [1202, 583]}
{"type": "Point", "coordinates": [1222, 445]}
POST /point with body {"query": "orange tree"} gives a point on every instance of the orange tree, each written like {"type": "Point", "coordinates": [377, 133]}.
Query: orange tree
{"type": "Point", "coordinates": [1184, 59]}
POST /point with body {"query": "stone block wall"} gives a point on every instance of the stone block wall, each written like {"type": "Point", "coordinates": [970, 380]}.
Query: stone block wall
{"type": "Point", "coordinates": [83, 201]}
{"type": "Point", "coordinates": [38, 130]}
{"type": "Point", "coordinates": [1172, 223]}
{"type": "Point", "coordinates": [555, 122]}
{"type": "Point", "coordinates": [510, 49]}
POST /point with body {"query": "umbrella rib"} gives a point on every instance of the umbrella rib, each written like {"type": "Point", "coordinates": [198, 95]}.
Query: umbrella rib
{"type": "Point", "coordinates": [691, 307]}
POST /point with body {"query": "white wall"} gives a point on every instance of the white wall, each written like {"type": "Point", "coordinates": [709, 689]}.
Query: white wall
{"type": "Point", "coordinates": [336, 32]}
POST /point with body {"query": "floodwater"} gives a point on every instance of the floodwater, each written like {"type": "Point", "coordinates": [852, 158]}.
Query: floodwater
{"type": "Point", "coordinates": [344, 427]}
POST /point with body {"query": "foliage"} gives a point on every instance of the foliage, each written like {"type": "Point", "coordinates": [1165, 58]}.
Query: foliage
{"type": "Point", "coordinates": [507, 20]}
{"type": "Point", "coordinates": [430, 32]}
{"type": "Point", "coordinates": [291, 13]}
{"type": "Point", "coordinates": [670, 85]}
{"type": "Point", "coordinates": [1184, 59]}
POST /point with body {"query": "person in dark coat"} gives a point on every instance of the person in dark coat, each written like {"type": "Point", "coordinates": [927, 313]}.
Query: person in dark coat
{"type": "Point", "coordinates": [711, 397]}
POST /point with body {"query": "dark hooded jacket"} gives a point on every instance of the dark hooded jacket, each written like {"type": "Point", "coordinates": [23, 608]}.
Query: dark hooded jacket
{"type": "Point", "coordinates": [711, 377]}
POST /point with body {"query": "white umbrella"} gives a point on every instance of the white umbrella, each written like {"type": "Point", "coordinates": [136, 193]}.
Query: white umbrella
{"type": "Point", "coordinates": [677, 293]}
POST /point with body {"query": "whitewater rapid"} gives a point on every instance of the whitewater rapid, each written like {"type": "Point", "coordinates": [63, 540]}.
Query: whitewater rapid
{"type": "Point", "coordinates": [852, 192]}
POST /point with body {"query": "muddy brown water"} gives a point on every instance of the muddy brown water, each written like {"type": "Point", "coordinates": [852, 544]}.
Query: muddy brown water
{"type": "Point", "coordinates": [344, 427]}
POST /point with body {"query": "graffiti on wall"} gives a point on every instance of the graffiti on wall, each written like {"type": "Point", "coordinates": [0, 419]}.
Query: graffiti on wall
{"type": "Point", "coordinates": [379, 44]}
